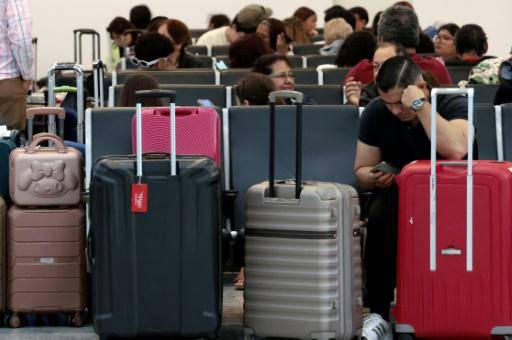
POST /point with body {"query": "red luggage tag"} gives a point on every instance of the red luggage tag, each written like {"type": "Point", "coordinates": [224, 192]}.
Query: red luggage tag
{"type": "Point", "coordinates": [139, 198]}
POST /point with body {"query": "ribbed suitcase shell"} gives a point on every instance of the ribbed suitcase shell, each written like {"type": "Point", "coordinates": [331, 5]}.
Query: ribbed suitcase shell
{"type": "Point", "coordinates": [46, 252]}
{"type": "Point", "coordinates": [303, 276]}
{"type": "Point", "coordinates": [46, 177]}
{"type": "Point", "coordinates": [451, 303]}
{"type": "Point", "coordinates": [159, 272]}
{"type": "Point", "coordinates": [197, 132]}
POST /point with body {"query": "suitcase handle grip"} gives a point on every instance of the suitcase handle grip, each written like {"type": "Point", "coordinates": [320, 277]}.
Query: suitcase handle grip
{"type": "Point", "coordinates": [45, 136]}
{"type": "Point", "coordinates": [85, 31]}
{"type": "Point", "coordinates": [157, 93]}
{"type": "Point", "coordinates": [433, 181]}
{"type": "Point", "coordinates": [298, 140]}
{"type": "Point", "coordinates": [46, 111]}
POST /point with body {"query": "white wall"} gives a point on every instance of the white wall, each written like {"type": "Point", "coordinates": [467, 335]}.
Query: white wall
{"type": "Point", "coordinates": [54, 20]}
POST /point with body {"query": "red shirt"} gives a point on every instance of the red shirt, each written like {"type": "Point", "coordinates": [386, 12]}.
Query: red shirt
{"type": "Point", "coordinates": [363, 71]}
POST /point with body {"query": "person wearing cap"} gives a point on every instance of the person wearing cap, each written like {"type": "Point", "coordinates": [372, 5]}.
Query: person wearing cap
{"type": "Point", "coordinates": [245, 22]}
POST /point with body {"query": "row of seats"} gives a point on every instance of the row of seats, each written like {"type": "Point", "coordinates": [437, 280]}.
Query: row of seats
{"type": "Point", "coordinates": [298, 49]}
{"type": "Point", "coordinates": [328, 142]}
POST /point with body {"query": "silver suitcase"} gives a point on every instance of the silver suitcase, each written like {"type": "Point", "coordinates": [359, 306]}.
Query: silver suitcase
{"type": "Point", "coordinates": [303, 276]}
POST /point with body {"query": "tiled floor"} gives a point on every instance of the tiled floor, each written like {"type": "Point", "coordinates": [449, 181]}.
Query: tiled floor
{"type": "Point", "coordinates": [231, 323]}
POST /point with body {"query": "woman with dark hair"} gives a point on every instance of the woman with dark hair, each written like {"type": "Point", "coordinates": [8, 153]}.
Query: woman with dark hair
{"type": "Point", "coordinates": [179, 34]}
{"type": "Point", "coordinates": [445, 42]}
{"type": "Point", "coordinates": [218, 20]}
{"type": "Point", "coordinates": [156, 23]}
{"type": "Point", "coordinates": [245, 51]}
{"type": "Point", "coordinates": [273, 33]}
{"type": "Point", "coordinates": [375, 23]}
{"type": "Point", "coordinates": [137, 82]}
{"type": "Point", "coordinates": [471, 44]}
{"type": "Point", "coordinates": [308, 18]}
{"type": "Point", "coordinates": [358, 46]}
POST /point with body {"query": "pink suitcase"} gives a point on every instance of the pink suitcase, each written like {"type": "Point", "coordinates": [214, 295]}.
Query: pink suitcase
{"type": "Point", "coordinates": [46, 257]}
{"type": "Point", "coordinates": [45, 176]}
{"type": "Point", "coordinates": [197, 132]}
{"type": "Point", "coordinates": [454, 268]}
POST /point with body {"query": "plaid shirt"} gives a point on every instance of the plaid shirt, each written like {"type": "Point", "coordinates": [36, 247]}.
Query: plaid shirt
{"type": "Point", "coordinates": [16, 51]}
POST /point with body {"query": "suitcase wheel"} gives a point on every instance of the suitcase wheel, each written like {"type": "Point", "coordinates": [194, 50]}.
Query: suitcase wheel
{"type": "Point", "coordinates": [75, 320]}
{"type": "Point", "coordinates": [13, 321]}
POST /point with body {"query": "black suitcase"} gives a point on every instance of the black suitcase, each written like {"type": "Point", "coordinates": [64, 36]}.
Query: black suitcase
{"type": "Point", "coordinates": [156, 272]}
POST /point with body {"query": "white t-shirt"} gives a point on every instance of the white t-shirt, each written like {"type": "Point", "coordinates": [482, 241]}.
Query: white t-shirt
{"type": "Point", "coordinates": [214, 37]}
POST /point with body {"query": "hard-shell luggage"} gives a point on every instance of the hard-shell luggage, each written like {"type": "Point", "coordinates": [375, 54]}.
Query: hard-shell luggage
{"type": "Point", "coordinates": [303, 276]}
{"type": "Point", "coordinates": [197, 131]}
{"type": "Point", "coordinates": [48, 176]}
{"type": "Point", "coordinates": [46, 255]}
{"type": "Point", "coordinates": [3, 260]}
{"type": "Point", "coordinates": [454, 277]}
{"type": "Point", "coordinates": [155, 255]}
{"type": "Point", "coordinates": [6, 147]}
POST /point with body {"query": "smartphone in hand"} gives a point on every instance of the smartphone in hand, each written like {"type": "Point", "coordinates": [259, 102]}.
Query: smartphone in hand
{"type": "Point", "coordinates": [384, 168]}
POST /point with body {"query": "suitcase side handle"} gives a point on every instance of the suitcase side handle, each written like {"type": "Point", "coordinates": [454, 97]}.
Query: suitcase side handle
{"type": "Point", "coordinates": [157, 93]}
{"type": "Point", "coordinates": [45, 136]}
{"type": "Point", "coordinates": [433, 182]}
{"type": "Point", "coordinates": [298, 97]}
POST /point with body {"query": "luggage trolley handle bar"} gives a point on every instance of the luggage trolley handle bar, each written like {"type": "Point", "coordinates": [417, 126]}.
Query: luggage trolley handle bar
{"type": "Point", "coordinates": [97, 67]}
{"type": "Point", "coordinates": [77, 68]}
{"type": "Point", "coordinates": [45, 111]}
{"type": "Point", "coordinates": [469, 185]}
{"type": "Point", "coordinates": [78, 42]}
{"type": "Point", "coordinates": [298, 97]}
{"type": "Point", "coordinates": [139, 95]}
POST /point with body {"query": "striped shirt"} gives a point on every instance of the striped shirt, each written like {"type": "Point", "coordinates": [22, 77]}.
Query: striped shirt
{"type": "Point", "coordinates": [16, 51]}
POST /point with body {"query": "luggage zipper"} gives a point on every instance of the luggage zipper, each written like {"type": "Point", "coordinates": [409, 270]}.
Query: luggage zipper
{"type": "Point", "coordinates": [297, 234]}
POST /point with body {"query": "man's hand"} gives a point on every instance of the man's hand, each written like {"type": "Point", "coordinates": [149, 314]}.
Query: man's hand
{"type": "Point", "coordinates": [382, 180]}
{"type": "Point", "coordinates": [26, 85]}
{"type": "Point", "coordinates": [352, 91]}
{"type": "Point", "coordinates": [411, 93]}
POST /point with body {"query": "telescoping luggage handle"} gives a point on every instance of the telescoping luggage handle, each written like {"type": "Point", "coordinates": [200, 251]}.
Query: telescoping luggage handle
{"type": "Point", "coordinates": [172, 107]}
{"type": "Point", "coordinates": [79, 73]}
{"type": "Point", "coordinates": [97, 69]}
{"type": "Point", "coordinates": [45, 111]}
{"type": "Point", "coordinates": [469, 185]}
{"type": "Point", "coordinates": [298, 97]}
{"type": "Point", "coordinates": [77, 35]}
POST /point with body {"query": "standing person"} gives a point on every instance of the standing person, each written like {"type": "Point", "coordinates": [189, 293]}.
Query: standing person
{"type": "Point", "coordinates": [16, 61]}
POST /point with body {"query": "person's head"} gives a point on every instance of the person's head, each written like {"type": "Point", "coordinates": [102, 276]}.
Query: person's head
{"type": "Point", "coordinates": [137, 82]}
{"type": "Point", "coordinates": [218, 20]}
{"type": "Point", "coordinates": [444, 42]}
{"type": "Point", "coordinates": [140, 16]}
{"type": "Point", "coordinates": [426, 45]}
{"type": "Point", "coordinates": [375, 22]}
{"type": "Point", "coordinates": [393, 78]}
{"type": "Point", "coordinates": [277, 31]}
{"type": "Point", "coordinates": [156, 23]}
{"type": "Point", "coordinates": [399, 24]}
{"type": "Point", "coordinates": [338, 11]}
{"type": "Point", "coordinates": [244, 52]}
{"type": "Point", "coordinates": [254, 89]}
{"type": "Point", "coordinates": [385, 51]}
{"type": "Point", "coordinates": [152, 51]}
{"type": "Point", "coordinates": [361, 16]}
{"type": "Point", "coordinates": [405, 4]}
{"type": "Point", "coordinates": [336, 29]}
{"type": "Point", "coordinates": [178, 32]}
{"type": "Point", "coordinates": [308, 18]}
{"type": "Point", "coordinates": [117, 28]}
{"type": "Point", "coordinates": [295, 30]}
{"type": "Point", "coordinates": [279, 68]}
{"type": "Point", "coordinates": [471, 41]}
{"type": "Point", "coordinates": [249, 17]}
{"type": "Point", "coordinates": [358, 46]}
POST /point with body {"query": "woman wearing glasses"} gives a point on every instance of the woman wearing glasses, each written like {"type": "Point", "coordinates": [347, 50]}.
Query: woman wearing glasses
{"type": "Point", "coordinates": [153, 52]}
{"type": "Point", "coordinates": [444, 42]}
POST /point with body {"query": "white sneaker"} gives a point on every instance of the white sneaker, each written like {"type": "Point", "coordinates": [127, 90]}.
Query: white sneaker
{"type": "Point", "coordinates": [376, 328]}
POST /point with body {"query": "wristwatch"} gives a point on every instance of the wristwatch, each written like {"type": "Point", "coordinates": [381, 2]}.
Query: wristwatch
{"type": "Point", "coordinates": [417, 104]}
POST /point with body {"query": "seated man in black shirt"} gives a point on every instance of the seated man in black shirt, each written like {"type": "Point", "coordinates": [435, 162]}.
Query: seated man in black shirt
{"type": "Point", "coordinates": [395, 128]}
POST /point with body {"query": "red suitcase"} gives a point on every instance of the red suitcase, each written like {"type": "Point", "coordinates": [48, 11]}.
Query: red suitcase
{"type": "Point", "coordinates": [197, 132]}
{"type": "Point", "coordinates": [454, 276]}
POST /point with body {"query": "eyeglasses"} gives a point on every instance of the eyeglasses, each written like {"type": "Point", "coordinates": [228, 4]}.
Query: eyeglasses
{"type": "Point", "coordinates": [283, 75]}
{"type": "Point", "coordinates": [144, 63]}
{"type": "Point", "coordinates": [443, 38]}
